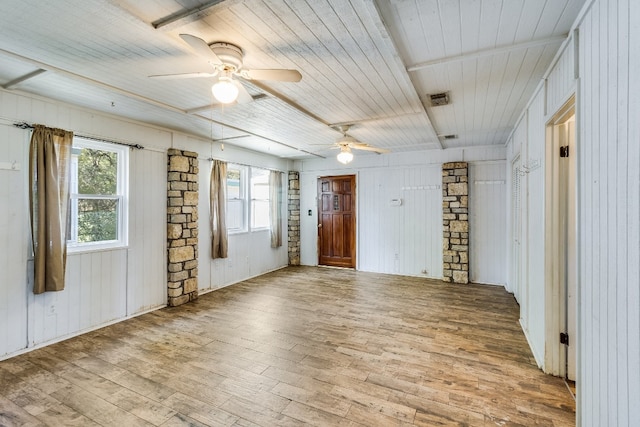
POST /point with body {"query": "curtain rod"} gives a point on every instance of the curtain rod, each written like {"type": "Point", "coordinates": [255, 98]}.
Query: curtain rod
{"type": "Point", "coordinates": [244, 164]}
{"type": "Point", "coordinates": [25, 125]}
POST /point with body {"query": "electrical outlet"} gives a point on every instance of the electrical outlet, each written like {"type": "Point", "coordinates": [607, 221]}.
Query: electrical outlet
{"type": "Point", "coordinates": [425, 271]}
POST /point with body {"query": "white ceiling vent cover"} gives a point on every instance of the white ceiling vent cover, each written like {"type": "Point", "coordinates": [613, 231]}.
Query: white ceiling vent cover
{"type": "Point", "coordinates": [439, 99]}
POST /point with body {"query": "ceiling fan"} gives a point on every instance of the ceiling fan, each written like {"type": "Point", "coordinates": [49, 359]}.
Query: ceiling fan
{"type": "Point", "coordinates": [345, 143]}
{"type": "Point", "coordinates": [226, 60]}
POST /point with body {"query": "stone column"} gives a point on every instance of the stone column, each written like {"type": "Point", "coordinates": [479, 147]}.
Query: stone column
{"type": "Point", "coordinates": [293, 221]}
{"type": "Point", "coordinates": [455, 222]}
{"type": "Point", "coordinates": [182, 226]}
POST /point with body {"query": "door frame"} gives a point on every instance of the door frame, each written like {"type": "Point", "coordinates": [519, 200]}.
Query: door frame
{"type": "Point", "coordinates": [355, 252]}
{"type": "Point", "coordinates": [516, 229]}
{"type": "Point", "coordinates": [557, 242]}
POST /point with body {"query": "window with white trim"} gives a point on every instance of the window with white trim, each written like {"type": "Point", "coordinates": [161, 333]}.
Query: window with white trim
{"type": "Point", "coordinates": [247, 198]}
{"type": "Point", "coordinates": [98, 196]}
{"type": "Point", "coordinates": [236, 198]}
{"type": "Point", "coordinates": [259, 198]}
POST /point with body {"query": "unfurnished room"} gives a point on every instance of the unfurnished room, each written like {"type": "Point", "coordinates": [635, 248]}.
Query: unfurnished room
{"type": "Point", "coordinates": [320, 212]}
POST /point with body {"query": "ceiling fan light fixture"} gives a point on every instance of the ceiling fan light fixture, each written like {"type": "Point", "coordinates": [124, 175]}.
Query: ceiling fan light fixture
{"type": "Point", "coordinates": [345, 155]}
{"type": "Point", "coordinates": [224, 90]}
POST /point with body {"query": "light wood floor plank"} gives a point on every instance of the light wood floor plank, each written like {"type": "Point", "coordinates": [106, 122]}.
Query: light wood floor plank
{"type": "Point", "coordinates": [299, 346]}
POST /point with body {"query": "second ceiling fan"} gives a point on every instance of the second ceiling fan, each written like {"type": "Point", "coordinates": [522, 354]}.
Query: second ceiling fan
{"type": "Point", "coordinates": [226, 60]}
{"type": "Point", "coordinates": [345, 143]}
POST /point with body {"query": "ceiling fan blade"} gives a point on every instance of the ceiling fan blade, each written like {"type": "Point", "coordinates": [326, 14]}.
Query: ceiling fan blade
{"type": "Point", "coordinates": [201, 48]}
{"type": "Point", "coordinates": [183, 76]}
{"type": "Point", "coordinates": [243, 95]}
{"type": "Point", "coordinates": [366, 147]}
{"type": "Point", "coordinates": [275, 75]}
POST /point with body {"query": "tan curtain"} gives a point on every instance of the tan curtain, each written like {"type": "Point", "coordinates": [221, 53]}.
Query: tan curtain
{"type": "Point", "coordinates": [49, 166]}
{"type": "Point", "coordinates": [218, 204]}
{"type": "Point", "coordinates": [275, 209]}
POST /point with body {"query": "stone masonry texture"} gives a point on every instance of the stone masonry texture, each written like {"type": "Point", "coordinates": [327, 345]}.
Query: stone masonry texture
{"type": "Point", "coordinates": [182, 226]}
{"type": "Point", "coordinates": [455, 222]}
{"type": "Point", "coordinates": [293, 225]}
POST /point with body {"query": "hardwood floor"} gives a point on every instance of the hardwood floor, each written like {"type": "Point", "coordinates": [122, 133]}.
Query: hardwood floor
{"type": "Point", "coordinates": [300, 346]}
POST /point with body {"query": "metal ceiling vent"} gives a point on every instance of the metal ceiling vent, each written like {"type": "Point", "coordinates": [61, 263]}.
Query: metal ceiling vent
{"type": "Point", "coordinates": [450, 136]}
{"type": "Point", "coordinates": [439, 99]}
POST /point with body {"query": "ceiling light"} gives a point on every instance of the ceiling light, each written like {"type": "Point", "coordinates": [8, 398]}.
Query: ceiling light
{"type": "Point", "coordinates": [345, 155]}
{"type": "Point", "coordinates": [224, 90]}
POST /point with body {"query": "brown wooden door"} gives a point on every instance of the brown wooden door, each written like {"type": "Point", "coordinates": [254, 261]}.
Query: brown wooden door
{"type": "Point", "coordinates": [337, 221]}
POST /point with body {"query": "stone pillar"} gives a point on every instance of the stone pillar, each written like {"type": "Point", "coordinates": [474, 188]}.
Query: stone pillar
{"type": "Point", "coordinates": [182, 226]}
{"type": "Point", "coordinates": [293, 222]}
{"type": "Point", "coordinates": [455, 222]}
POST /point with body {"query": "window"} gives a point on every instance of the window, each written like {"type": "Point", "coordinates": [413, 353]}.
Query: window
{"type": "Point", "coordinates": [247, 198]}
{"type": "Point", "coordinates": [259, 198]}
{"type": "Point", "coordinates": [236, 198]}
{"type": "Point", "coordinates": [98, 195]}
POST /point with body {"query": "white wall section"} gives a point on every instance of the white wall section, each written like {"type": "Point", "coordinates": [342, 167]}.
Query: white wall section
{"type": "Point", "coordinates": [406, 239]}
{"type": "Point", "coordinates": [487, 218]}
{"type": "Point", "coordinates": [110, 285]}
{"type": "Point", "coordinates": [609, 213]}
{"type": "Point", "coordinates": [608, 150]}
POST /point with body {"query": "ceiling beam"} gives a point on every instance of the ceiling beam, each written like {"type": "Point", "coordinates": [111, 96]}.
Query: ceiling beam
{"type": "Point", "coordinates": [488, 52]}
{"type": "Point", "coordinates": [249, 133]}
{"type": "Point", "coordinates": [288, 101]}
{"type": "Point", "coordinates": [183, 17]}
{"type": "Point", "coordinates": [375, 9]}
{"type": "Point", "coordinates": [136, 96]}
{"type": "Point", "coordinates": [374, 119]}
{"type": "Point", "coordinates": [211, 106]}
{"type": "Point", "coordinates": [21, 79]}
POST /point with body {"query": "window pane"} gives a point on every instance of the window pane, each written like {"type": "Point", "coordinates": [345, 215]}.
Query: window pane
{"type": "Point", "coordinates": [97, 220]}
{"type": "Point", "coordinates": [260, 214]}
{"type": "Point", "coordinates": [97, 172]}
{"type": "Point", "coordinates": [259, 183]}
{"type": "Point", "coordinates": [235, 215]}
{"type": "Point", "coordinates": [259, 198]}
{"type": "Point", "coordinates": [233, 184]}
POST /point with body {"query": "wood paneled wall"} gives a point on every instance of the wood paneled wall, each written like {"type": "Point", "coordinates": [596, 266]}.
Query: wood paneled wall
{"type": "Point", "coordinates": [527, 145]}
{"type": "Point", "coordinates": [407, 239]}
{"type": "Point", "coordinates": [250, 253]}
{"type": "Point", "coordinates": [14, 152]}
{"type": "Point", "coordinates": [608, 150]}
{"type": "Point", "coordinates": [487, 218]}
{"type": "Point", "coordinates": [404, 239]}
{"type": "Point", "coordinates": [107, 286]}
{"type": "Point", "coordinates": [609, 213]}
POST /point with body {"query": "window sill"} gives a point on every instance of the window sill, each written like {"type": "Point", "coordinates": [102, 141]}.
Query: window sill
{"type": "Point", "coordinates": [79, 250]}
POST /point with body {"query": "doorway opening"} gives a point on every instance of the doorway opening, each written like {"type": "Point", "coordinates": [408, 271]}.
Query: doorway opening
{"type": "Point", "coordinates": [561, 243]}
{"type": "Point", "coordinates": [337, 221]}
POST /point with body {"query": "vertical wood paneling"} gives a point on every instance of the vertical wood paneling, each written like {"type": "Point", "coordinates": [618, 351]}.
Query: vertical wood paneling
{"type": "Point", "coordinates": [101, 286]}
{"type": "Point", "coordinates": [560, 81]}
{"type": "Point", "coordinates": [487, 191]}
{"type": "Point", "coordinates": [519, 144]}
{"type": "Point", "coordinates": [250, 254]}
{"type": "Point", "coordinates": [94, 294]}
{"type": "Point", "coordinates": [405, 239]}
{"type": "Point", "coordinates": [629, 298]}
{"type": "Point", "coordinates": [609, 209]}
{"type": "Point", "coordinates": [14, 240]}
{"type": "Point", "coordinates": [533, 226]}
{"type": "Point", "coordinates": [147, 231]}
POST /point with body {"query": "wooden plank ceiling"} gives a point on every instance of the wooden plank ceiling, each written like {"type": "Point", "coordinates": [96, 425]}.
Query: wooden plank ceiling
{"type": "Point", "coordinates": [369, 63]}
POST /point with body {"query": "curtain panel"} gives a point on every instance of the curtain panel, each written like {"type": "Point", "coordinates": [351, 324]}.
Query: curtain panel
{"type": "Point", "coordinates": [49, 168]}
{"type": "Point", "coordinates": [217, 209]}
{"type": "Point", "coordinates": [275, 208]}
